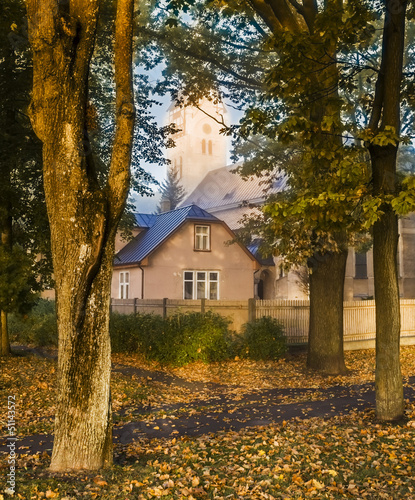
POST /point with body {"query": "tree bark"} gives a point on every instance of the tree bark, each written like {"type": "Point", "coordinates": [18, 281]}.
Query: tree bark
{"type": "Point", "coordinates": [386, 113]}
{"type": "Point", "coordinates": [5, 343]}
{"type": "Point", "coordinates": [7, 242]}
{"type": "Point", "coordinates": [325, 340]}
{"type": "Point", "coordinates": [83, 216]}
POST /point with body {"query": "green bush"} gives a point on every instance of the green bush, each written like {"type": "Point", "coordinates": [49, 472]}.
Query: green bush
{"type": "Point", "coordinates": [263, 339]}
{"type": "Point", "coordinates": [38, 327]}
{"type": "Point", "coordinates": [176, 340]}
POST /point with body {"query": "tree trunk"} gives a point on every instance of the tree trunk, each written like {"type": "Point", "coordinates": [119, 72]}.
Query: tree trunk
{"type": "Point", "coordinates": [389, 387]}
{"type": "Point", "coordinates": [7, 243]}
{"type": "Point", "coordinates": [83, 215]}
{"type": "Point", "coordinates": [386, 115]}
{"type": "Point", "coordinates": [325, 340]}
{"type": "Point", "coordinates": [5, 344]}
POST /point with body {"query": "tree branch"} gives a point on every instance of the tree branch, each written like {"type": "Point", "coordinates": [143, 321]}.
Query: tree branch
{"type": "Point", "coordinates": [119, 174]}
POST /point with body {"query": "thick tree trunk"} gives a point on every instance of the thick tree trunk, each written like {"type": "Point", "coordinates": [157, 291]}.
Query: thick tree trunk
{"type": "Point", "coordinates": [325, 340]}
{"type": "Point", "coordinates": [83, 215]}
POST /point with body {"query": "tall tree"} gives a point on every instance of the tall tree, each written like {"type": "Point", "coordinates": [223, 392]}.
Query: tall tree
{"type": "Point", "coordinates": [23, 220]}
{"type": "Point", "coordinates": [383, 143]}
{"type": "Point", "coordinates": [281, 58]}
{"type": "Point", "coordinates": [83, 210]}
{"type": "Point", "coordinates": [171, 189]}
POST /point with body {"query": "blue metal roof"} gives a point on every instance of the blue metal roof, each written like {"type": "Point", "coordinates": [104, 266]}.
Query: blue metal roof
{"type": "Point", "coordinates": [255, 248]}
{"type": "Point", "coordinates": [162, 226]}
{"type": "Point", "coordinates": [145, 220]}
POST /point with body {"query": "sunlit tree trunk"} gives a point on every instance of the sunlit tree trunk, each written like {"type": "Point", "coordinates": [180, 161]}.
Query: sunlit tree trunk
{"type": "Point", "coordinates": [83, 215]}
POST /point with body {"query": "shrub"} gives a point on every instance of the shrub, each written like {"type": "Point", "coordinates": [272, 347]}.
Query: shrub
{"type": "Point", "coordinates": [263, 339]}
{"type": "Point", "coordinates": [134, 332]}
{"type": "Point", "coordinates": [38, 327]}
{"type": "Point", "coordinates": [176, 340]}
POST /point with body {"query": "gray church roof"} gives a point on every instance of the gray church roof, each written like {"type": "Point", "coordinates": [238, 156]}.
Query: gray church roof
{"type": "Point", "coordinates": [157, 228]}
{"type": "Point", "coordinates": [229, 196]}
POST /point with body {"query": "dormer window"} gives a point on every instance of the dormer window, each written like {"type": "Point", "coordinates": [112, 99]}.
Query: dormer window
{"type": "Point", "coordinates": [202, 238]}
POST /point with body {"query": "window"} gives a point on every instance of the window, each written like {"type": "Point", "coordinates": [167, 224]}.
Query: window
{"type": "Point", "coordinates": [201, 285]}
{"type": "Point", "coordinates": [202, 238]}
{"type": "Point", "coordinates": [210, 147]}
{"type": "Point", "coordinates": [124, 285]}
{"type": "Point", "coordinates": [204, 146]}
{"type": "Point", "coordinates": [360, 262]}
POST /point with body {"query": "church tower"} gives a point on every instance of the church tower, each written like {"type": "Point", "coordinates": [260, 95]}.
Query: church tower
{"type": "Point", "coordinates": [199, 146]}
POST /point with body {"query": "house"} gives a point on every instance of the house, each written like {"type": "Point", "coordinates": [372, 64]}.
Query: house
{"type": "Point", "coordinates": [183, 254]}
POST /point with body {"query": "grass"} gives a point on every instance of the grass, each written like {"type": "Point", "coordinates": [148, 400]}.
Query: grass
{"type": "Point", "coordinates": [350, 456]}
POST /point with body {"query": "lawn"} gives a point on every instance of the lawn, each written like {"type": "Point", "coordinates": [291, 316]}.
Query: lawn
{"type": "Point", "coordinates": [348, 456]}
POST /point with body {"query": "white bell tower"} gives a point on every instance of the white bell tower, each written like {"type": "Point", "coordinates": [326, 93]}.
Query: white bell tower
{"type": "Point", "coordinates": [199, 145]}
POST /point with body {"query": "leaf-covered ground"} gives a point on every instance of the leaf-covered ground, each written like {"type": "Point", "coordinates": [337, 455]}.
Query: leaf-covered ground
{"type": "Point", "coordinates": [348, 456]}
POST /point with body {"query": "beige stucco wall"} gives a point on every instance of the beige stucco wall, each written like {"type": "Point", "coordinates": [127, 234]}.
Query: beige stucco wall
{"type": "Point", "coordinates": [163, 276]}
{"type": "Point", "coordinates": [407, 255]}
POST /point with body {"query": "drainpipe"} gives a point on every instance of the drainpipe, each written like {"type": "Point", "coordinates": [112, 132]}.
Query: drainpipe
{"type": "Point", "coordinates": [142, 281]}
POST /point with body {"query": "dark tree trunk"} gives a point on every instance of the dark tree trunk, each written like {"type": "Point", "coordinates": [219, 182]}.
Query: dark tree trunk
{"type": "Point", "coordinates": [83, 216]}
{"type": "Point", "coordinates": [389, 387]}
{"type": "Point", "coordinates": [325, 340]}
{"type": "Point", "coordinates": [386, 115]}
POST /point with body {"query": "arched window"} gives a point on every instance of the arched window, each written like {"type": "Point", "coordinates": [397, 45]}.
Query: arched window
{"type": "Point", "coordinates": [210, 147]}
{"type": "Point", "coordinates": [204, 146]}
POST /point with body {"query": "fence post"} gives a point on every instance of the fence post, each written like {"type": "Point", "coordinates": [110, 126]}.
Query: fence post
{"type": "Point", "coordinates": [202, 305]}
{"type": "Point", "coordinates": [251, 310]}
{"type": "Point", "coordinates": [164, 308]}
{"type": "Point", "coordinates": [135, 305]}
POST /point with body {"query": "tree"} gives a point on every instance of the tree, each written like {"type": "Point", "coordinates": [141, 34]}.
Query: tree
{"type": "Point", "coordinates": [330, 84]}
{"type": "Point", "coordinates": [383, 143]}
{"type": "Point", "coordinates": [83, 210]}
{"type": "Point", "coordinates": [171, 189]}
{"type": "Point", "coordinates": [281, 57]}
{"type": "Point", "coordinates": [23, 220]}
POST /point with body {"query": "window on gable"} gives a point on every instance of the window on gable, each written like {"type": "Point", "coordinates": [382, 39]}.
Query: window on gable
{"type": "Point", "coordinates": [201, 285]}
{"type": "Point", "coordinates": [204, 146]}
{"type": "Point", "coordinates": [202, 238]}
{"type": "Point", "coordinates": [210, 149]}
{"type": "Point", "coordinates": [124, 285]}
{"type": "Point", "coordinates": [360, 261]}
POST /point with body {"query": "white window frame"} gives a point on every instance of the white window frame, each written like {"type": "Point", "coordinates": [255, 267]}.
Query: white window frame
{"type": "Point", "coordinates": [201, 238]}
{"type": "Point", "coordinates": [196, 278]}
{"type": "Point", "coordinates": [124, 285]}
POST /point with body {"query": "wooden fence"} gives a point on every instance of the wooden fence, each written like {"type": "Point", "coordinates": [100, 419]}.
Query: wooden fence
{"type": "Point", "coordinates": [359, 316]}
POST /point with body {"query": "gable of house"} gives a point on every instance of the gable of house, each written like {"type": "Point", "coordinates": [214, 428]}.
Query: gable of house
{"type": "Point", "coordinates": [184, 254]}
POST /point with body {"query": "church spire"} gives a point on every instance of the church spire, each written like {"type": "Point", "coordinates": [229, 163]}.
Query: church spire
{"type": "Point", "coordinates": [200, 147]}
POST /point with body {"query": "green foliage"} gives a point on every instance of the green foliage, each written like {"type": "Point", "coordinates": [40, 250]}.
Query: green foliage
{"type": "Point", "coordinates": [176, 340]}
{"type": "Point", "coordinates": [18, 283]}
{"type": "Point", "coordinates": [171, 189]}
{"type": "Point", "coordinates": [38, 328]}
{"type": "Point", "coordinates": [263, 339]}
